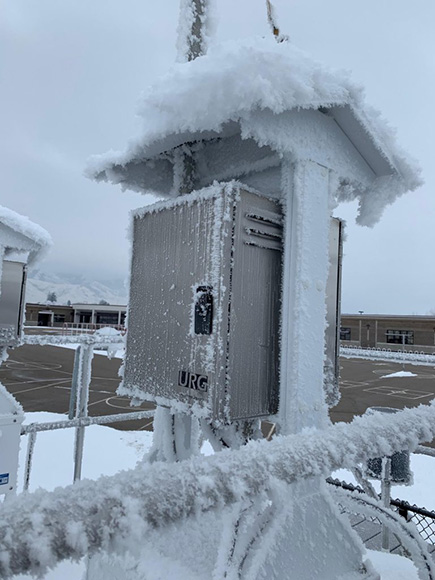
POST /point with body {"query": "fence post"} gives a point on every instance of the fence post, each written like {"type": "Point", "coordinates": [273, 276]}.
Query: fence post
{"type": "Point", "coordinates": [386, 498]}
{"type": "Point", "coordinates": [403, 511]}
{"type": "Point", "coordinates": [74, 384]}
{"type": "Point", "coordinates": [84, 379]}
{"type": "Point", "coordinates": [29, 457]}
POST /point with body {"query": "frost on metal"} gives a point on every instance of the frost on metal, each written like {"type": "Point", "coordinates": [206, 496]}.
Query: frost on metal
{"type": "Point", "coordinates": [195, 27]}
{"type": "Point", "coordinates": [39, 529]}
{"type": "Point", "coordinates": [197, 322]}
{"type": "Point", "coordinates": [100, 340]}
{"type": "Point", "coordinates": [32, 239]}
{"type": "Point", "coordinates": [260, 90]}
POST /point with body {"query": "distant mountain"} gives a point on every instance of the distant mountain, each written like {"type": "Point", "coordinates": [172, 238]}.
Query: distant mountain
{"type": "Point", "coordinates": [74, 289]}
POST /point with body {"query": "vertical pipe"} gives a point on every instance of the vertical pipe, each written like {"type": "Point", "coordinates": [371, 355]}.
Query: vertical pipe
{"type": "Point", "coordinates": [29, 457]}
{"type": "Point", "coordinates": [386, 499]}
{"type": "Point", "coordinates": [74, 384]}
{"type": "Point", "coordinates": [191, 29]}
{"type": "Point", "coordinates": [85, 367]}
{"type": "Point", "coordinates": [305, 273]}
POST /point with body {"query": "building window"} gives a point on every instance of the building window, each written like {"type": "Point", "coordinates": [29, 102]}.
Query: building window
{"type": "Point", "coordinates": [59, 318]}
{"type": "Point", "coordinates": [344, 333]}
{"type": "Point", "coordinates": [107, 318]}
{"type": "Point", "coordinates": [400, 336]}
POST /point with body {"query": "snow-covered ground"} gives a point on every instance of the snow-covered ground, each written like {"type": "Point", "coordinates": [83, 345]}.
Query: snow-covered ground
{"type": "Point", "coordinates": [108, 451]}
{"type": "Point", "coordinates": [392, 567]}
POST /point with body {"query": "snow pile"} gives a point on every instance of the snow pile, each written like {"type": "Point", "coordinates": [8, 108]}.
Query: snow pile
{"type": "Point", "coordinates": [74, 521]}
{"type": "Point", "coordinates": [21, 224]}
{"type": "Point", "coordinates": [399, 374]}
{"type": "Point", "coordinates": [392, 567]}
{"type": "Point", "coordinates": [231, 82]}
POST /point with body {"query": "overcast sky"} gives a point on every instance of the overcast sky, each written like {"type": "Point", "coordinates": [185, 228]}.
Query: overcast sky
{"type": "Point", "coordinates": [71, 74]}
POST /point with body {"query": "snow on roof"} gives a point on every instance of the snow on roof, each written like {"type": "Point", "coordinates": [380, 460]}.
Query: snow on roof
{"type": "Point", "coordinates": [230, 82]}
{"type": "Point", "coordinates": [39, 237]}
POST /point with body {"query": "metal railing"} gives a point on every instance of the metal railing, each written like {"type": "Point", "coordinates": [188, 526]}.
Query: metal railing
{"type": "Point", "coordinates": [167, 493]}
{"type": "Point", "coordinates": [170, 492]}
{"type": "Point", "coordinates": [79, 396]}
{"type": "Point", "coordinates": [80, 328]}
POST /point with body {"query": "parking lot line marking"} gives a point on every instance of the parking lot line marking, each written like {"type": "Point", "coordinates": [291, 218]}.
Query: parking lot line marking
{"type": "Point", "coordinates": [400, 393]}
{"type": "Point", "coordinates": [352, 384]}
{"type": "Point", "coordinates": [38, 381]}
{"type": "Point", "coordinates": [90, 390]}
{"type": "Point", "coordinates": [99, 401]}
{"type": "Point", "coordinates": [33, 389]}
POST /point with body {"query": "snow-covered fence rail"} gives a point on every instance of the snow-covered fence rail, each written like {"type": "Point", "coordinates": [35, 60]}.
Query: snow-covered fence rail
{"type": "Point", "coordinates": [86, 421]}
{"type": "Point", "coordinates": [400, 356]}
{"type": "Point", "coordinates": [79, 520]}
{"type": "Point", "coordinates": [96, 340]}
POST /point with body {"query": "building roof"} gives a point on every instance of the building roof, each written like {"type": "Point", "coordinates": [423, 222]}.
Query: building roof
{"type": "Point", "coordinates": [203, 98]}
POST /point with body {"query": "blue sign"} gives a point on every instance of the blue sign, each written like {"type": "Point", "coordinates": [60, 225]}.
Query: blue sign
{"type": "Point", "coordinates": [4, 478]}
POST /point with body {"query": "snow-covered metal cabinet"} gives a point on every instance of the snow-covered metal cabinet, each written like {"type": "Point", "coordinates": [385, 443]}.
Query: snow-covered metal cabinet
{"type": "Point", "coordinates": [12, 289]}
{"type": "Point", "coordinates": [204, 304]}
{"type": "Point", "coordinates": [11, 418]}
{"type": "Point", "coordinates": [21, 241]}
{"type": "Point", "coordinates": [268, 117]}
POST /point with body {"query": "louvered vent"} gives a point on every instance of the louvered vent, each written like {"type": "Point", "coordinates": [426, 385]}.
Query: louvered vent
{"type": "Point", "coordinates": [263, 230]}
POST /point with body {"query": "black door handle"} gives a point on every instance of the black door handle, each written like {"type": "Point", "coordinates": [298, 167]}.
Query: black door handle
{"type": "Point", "coordinates": [203, 310]}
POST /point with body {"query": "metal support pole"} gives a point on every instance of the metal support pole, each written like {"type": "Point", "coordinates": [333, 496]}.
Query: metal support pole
{"type": "Point", "coordinates": [74, 385]}
{"type": "Point", "coordinates": [386, 499]}
{"type": "Point", "coordinates": [195, 12]}
{"type": "Point", "coordinates": [29, 457]}
{"type": "Point", "coordinates": [84, 379]}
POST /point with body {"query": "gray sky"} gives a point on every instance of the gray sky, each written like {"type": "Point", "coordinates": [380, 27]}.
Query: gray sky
{"type": "Point", "coordinates": [71, 74]}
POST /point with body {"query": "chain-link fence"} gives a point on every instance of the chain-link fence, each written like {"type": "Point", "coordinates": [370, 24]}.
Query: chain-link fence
{"type": "Point", "coordinates": [423, 519]}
